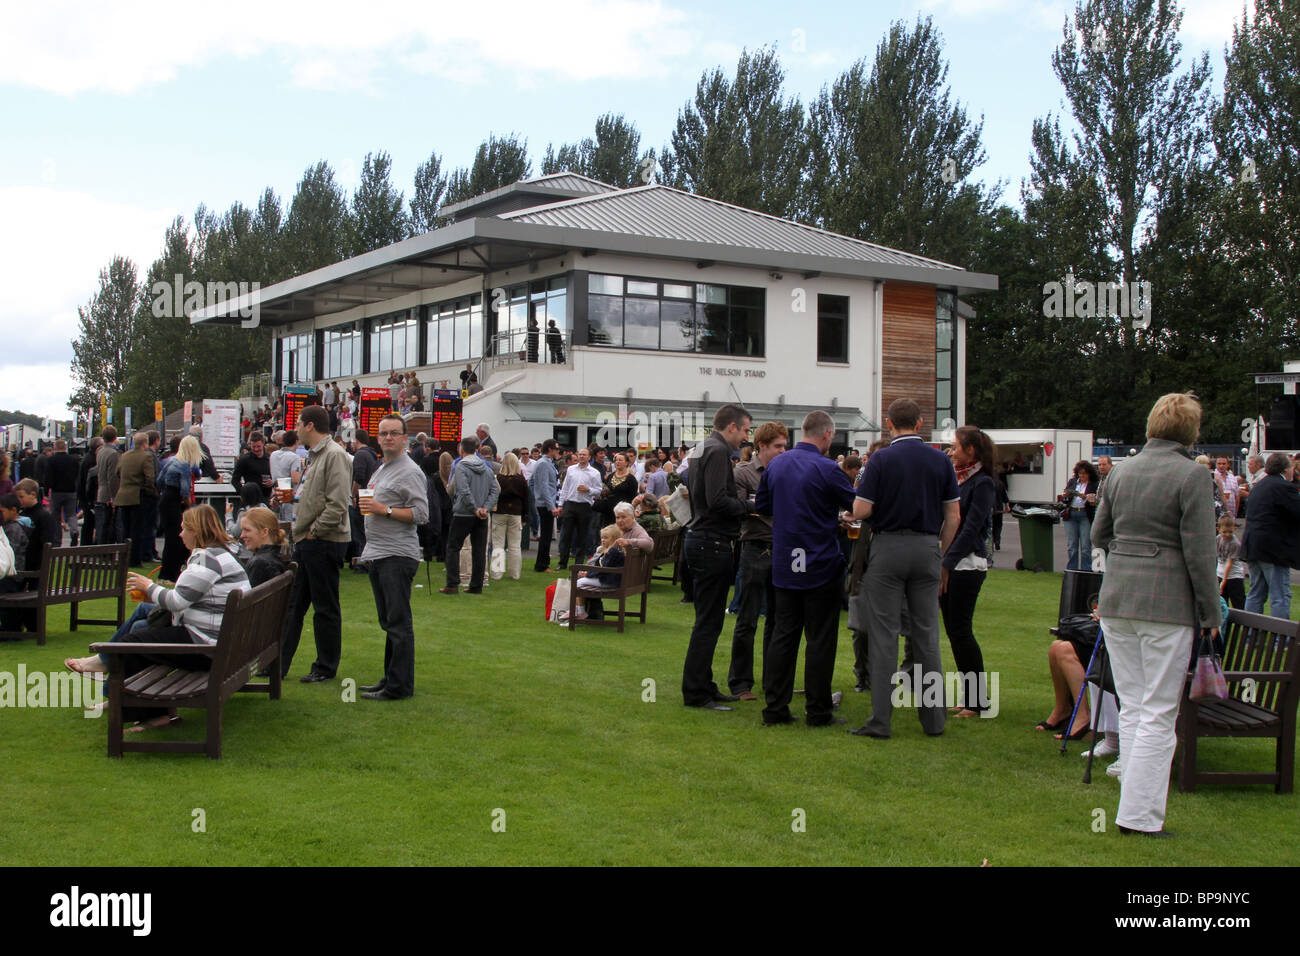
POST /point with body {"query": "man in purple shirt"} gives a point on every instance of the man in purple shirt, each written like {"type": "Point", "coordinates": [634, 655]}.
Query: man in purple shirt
{"type": "Point", "coordinates": [909, 491]}
{"type": "Point", "coordinates": [804, 491]}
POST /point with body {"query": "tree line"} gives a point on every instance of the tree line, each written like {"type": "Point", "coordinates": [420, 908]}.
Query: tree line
{"type": "Point", "coordinates": [1153, 248]}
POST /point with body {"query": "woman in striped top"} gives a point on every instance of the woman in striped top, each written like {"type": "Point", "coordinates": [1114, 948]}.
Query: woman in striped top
{"type": "Point", "coordinates": [196, 603]}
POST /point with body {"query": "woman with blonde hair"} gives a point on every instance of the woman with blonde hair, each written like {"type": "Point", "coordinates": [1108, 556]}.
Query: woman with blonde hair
{"type": "Point", "coordinates": [197, 604]}
{"type": "Point", "coordinates": [259, 530]}
{"type": "Point", "coordinates": [1156, 524]}
{"type": "Point", "coordinates": [176, 493]}
{"type": "Point", "coordinates": [508, 520]}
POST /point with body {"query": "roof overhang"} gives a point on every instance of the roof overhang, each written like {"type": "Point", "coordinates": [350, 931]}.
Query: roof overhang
{"type": "Point", "coordinates": [484, 245]}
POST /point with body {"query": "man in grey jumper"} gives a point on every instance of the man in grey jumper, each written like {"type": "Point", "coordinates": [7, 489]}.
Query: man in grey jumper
{"type": "Point", "coordinates": [399, 504]}
{"type": "Point", "coordinates": [474, 492]}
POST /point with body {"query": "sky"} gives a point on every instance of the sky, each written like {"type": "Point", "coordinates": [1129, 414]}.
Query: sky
{"type": "Point", "coordinates": [119, 117]}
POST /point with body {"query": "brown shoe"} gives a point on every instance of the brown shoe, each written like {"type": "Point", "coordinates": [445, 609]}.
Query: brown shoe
{"type": "Point", "coordinates": [746, 695]}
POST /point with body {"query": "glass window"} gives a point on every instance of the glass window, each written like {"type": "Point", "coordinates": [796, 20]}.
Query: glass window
{"type": "Point", "coordinates": [641, 287]}
{"type": "Point", "coordinates": [341, 351]}
{"type": "Point", "coordinates": [746, 332]}
{"type": "Point", "coordinates": [713, 331]}
{"type": "Point", "coordinates": [605, 320]}
{"type": "Point", "coordinates": [674, 291]}
{"type": "Point", "coordinates": [832, 328]}
{"type": "Point", "coordinates": [677, 326]}
{"type": "Point", "coordinates": [641, 323]}
{"type": "Point", "coordinates": [394, 341]}
{"type": "Point", "coordinates": [605, 285]}
{"type": "Point", "coordinates": [297, 358]}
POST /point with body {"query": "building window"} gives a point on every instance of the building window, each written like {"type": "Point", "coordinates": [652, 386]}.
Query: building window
{"type": "Point", "coordinates": [455, 330]}
{"type": "Point", "coordinates": [530, 306]}
{"type": "Point", "coordinates": [395, 341]}
{"type": "Point", "coordinates": [341, 351]}
{"type": "Point", "coordinates": [675, 316]}
{"type": "Point", "coordinates": [833, 328]}
{"type": "Point", "coordinates": [945, 358]}
{"type": "Point", "coordinates": [297, 358]}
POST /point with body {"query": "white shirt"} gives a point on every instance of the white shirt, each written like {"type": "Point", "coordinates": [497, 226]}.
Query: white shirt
{"type": "Point", "coordinates": [529, 467]}
{"type": "Point", "coordinates": [577, 475]}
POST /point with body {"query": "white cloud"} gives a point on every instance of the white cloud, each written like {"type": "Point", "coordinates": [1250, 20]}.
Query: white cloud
{"type": "Point", "coordinates": [1206, 23]}
{"type": "Point", "coordinates": [50, 257]}
{"type": "Point", "coordinates": [69, 47]}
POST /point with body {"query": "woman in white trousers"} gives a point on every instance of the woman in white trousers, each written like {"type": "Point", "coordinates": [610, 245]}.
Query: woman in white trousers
{"type": "Point", "coordinates": [1156, 524]}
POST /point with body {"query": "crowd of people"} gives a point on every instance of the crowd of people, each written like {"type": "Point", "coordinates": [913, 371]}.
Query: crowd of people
{"type": "Point", "coordinates": [901, 535]}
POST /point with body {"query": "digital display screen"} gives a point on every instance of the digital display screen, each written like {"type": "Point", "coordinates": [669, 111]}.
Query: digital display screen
{"type": "Point", "coordinates": [375, 404]}
{"type": "Point", "coordinates": [447, 417]}
{"type": "Point", "coordinates": [296, 398]}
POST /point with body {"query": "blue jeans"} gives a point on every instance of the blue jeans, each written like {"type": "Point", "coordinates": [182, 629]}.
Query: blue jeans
{"type": "Point", "coordinates": [135, 621]}
{"type": "Point", "coordinates": [1271, 582]}
{"type": "Point", "coordinates": [390, 581]}
{"type": "Point", "coordinates": [1078, 537]}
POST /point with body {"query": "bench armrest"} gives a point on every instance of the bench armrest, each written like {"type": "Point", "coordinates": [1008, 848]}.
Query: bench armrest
{"type": "Point", "coordinates": [1280, 677]}
{"type": "Point", "coordinates": [121, 647]}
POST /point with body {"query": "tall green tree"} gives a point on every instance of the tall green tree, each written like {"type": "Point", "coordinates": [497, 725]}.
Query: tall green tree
{"type": "Point", "coordinates": [106, 334]}
{"type": "Point", "coordinates": [892, 156]}
{"type": "Point", "coordinates": [611, 156]}
{"type": "Point", "coordinates": [316, 232]}
{"type": "Point", "coordinates": [740, 140]}
{"type": "Point", "coordinates": [430, 186]}
{"type": "Point", "coordinates": [162, 366]}
{"type": "Point", "coordinates": [497, 163]}
{"type": "Point", "coordinates": [378, 209]}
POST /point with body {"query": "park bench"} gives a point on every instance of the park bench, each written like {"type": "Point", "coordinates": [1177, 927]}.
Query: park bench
{"type": "Point", "coordinates": [668, 550]}
{"type": "Point", "coordinates": [1260, 662]}
{"type": "Point", "coordinates": [249, 642]}
{"type": "Point", "coordinates": [70, 576]}
{"type": "Point", "coordinates": [634, 578]}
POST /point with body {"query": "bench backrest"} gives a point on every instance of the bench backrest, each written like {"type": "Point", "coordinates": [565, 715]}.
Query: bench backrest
{"type": "Point", "coordinates": [1264, 645]}
{"type": "Point", "coordinates": [81, 574]}
{"type": "Point", "coordinates": [636, 570]}
{"type": "Point", "coordinates": [667, 544]}
{"type": "Point", "coordinates": [252, 622]}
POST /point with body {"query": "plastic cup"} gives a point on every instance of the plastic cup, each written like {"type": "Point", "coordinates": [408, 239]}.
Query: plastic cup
{"type": "Point", "coordinates": [136, 594]}
{"type": "Point", "coordinates": [364, 496]}
{"type": "Point", "coordinates": [284, 484]}
{"type": "Point", "coordinates": [855, 528]}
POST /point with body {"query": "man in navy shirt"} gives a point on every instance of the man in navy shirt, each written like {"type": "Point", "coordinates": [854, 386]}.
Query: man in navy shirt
{"type": "Point", "coordinates": [909, 491]}
{"type": "Point", "coordinates": [804, 491]}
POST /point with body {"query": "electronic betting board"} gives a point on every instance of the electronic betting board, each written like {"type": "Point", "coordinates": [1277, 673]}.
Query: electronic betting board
{"type": "Point", "coordinates": [448, 418]}
{"type": "Point", "coordinates": [375, 404]}
{"type": "Point", "coordinates": [297, 397]}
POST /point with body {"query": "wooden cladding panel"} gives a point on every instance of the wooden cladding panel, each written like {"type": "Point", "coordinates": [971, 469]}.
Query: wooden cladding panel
{"type": "Point", "coordinates": [907, 348]}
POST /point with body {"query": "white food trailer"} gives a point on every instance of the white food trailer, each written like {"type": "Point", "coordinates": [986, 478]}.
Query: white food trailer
{"type": "Point", "coordinates": [1039, 461]}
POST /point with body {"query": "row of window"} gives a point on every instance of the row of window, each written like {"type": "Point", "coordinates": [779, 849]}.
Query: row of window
{"type": "Point", "coordinates": [633, 313]}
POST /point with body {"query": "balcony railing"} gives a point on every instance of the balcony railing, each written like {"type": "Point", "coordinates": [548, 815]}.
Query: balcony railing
{"type": "Point", "coordinates": [521, 347]}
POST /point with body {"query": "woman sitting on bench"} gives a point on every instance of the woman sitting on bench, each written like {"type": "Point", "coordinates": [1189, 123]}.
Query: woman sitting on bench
{"type": "Point", "coordinates": [197, 604]}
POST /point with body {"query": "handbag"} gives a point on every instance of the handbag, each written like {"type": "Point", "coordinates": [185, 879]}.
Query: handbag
{"type": "Point", "coordinates": [1208, 682]}
{"type": "Point", "coordinates": [561, 600]}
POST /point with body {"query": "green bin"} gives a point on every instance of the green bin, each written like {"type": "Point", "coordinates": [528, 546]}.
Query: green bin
{"type": "Point", "coordinates": [1036, 544]}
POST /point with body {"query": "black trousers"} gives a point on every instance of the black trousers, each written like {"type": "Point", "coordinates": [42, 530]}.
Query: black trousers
{"type": "Point", "coordinates": [546, 523]}
{"type": "Point", "coordinates": [134, 663]}
{"type": "Point", "coordinates": [710, 562]}
{"type": "Point", "coordinates": [1234, 592]}
{"type": "Point", "coordinates": [575, 529]}
{"type": "Point", "coordinates": [755, 584]}
{"type": "Point", "coordinates": [390, 580]}
{"type": "Point", "coordinates": [957, 605]}
{"type": "Point", "coordinates": [476, 529]}
{"type": "Point", "coordinates": [316, 585]}
{"type": "Point", "coordinates": [815, 614]}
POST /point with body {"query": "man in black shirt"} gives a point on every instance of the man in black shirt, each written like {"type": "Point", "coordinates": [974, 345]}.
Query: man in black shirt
{"type": "Point", "coordinates": [710, 539]}
{"type": "Point", "coordinates": [61, 472]}
{"type": "Point", "coordinates": [254, 467]}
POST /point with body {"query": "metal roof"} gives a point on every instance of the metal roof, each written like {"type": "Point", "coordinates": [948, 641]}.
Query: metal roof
{"type": "Point", "coordinates": [667, 213]}
{"type": "Point", "coordinates": [565, 185]}
{"type": "Point", "coordinates": [656, 222]}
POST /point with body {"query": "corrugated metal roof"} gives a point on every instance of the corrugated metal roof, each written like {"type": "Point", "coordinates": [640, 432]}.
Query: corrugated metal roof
{"type": "Point", "coordinates": [565, 185]}
{"type": "Point", "coordinates": [667, 213]}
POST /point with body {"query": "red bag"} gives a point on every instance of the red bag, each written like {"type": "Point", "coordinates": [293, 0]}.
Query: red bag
{"type": "Point", "coordinates": [550, 598]}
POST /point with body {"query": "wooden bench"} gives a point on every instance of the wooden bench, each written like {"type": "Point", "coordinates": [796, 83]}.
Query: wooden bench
{"type": "Point", "coordinates": [1264, 651]}
{"type": "Point", "coordinates": [251, 628]}
{"type": "Point", "coordinates": [668, 550]}
{"type": "Point", "coordinates": [634, 577]}
{"type": "Point", "coordinates": [70, 576]}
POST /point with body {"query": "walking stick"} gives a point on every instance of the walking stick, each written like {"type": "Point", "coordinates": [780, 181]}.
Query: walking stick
{"type": "Point", "coordinates": [1083, 688]}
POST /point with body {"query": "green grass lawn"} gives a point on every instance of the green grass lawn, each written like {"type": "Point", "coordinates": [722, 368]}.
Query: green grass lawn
{"type": "Point", "coordinates": [551, 727]}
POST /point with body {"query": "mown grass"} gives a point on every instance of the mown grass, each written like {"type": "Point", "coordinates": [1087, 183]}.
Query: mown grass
{"type": "Point", "coordinates": [551, 727]}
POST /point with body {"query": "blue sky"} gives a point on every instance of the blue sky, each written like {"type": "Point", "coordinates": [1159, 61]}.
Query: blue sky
{"type": "Point", "coordinates": [119, 117]}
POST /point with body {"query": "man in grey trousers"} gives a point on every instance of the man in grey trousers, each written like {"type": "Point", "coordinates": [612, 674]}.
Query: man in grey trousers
{"type": "Point", "coordinates": [909, 493]}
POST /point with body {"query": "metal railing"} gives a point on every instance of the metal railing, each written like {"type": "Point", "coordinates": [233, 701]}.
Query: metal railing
{"type": "Point", "coordinates": [521, 347]}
